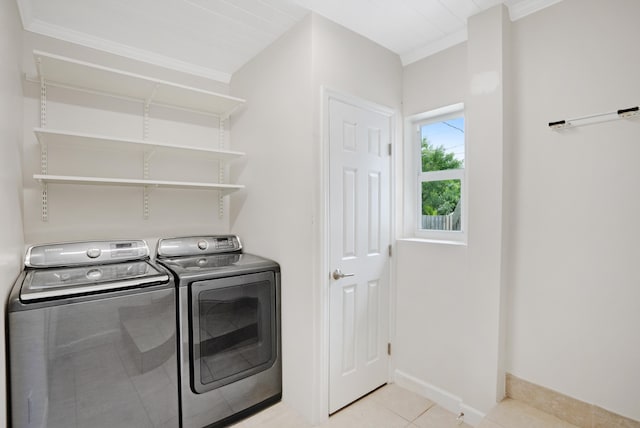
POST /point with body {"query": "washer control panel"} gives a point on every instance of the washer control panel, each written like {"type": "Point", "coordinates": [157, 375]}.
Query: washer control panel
{"type": "Point", "coordinates": [194, 245]}
{"type": "Point", "coordinates": [82, 253]}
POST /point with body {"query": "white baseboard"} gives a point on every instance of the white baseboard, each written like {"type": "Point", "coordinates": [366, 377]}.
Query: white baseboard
{"type": "Point", "coordinates": [472, 416]}
{"type": "Point", "coordinates": [443, 398]}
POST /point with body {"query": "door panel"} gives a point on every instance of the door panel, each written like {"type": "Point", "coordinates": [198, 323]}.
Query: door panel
{"type": "Point", "coordinates": [359, 199]}
{"type": "Point", "coordinates": [373, 321]}
{"type": "Point", "coordinates": [349, 329]}
{"type": "Point", "coordinates": [374, 213]}
{"type": "Point", "coordinates": [349, 192]}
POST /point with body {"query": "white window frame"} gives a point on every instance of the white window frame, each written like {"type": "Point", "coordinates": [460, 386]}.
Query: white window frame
{"type": "Point", "coordinates": [415, 178]}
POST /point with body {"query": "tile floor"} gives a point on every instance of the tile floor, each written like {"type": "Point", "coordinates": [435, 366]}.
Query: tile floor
{"type": "Point", "coordinates": [394, 407]}
{"type": "Point", "coordinates": [515, 414]}
{"type": "Point", "coordinates": [387, 407]}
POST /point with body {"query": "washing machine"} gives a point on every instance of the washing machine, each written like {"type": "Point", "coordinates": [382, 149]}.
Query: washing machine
{"type": "Point", "coordinates": [92, 339]}
{"type": "Point", "coordinates": [229, 328]}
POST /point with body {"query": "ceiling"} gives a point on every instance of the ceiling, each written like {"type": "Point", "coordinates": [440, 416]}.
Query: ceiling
{"type": "Point", "coordinates": [214, 38]}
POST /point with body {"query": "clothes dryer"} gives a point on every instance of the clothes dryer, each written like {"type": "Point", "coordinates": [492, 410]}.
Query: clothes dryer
{"type": "Point", "coordinates": [229, 328]}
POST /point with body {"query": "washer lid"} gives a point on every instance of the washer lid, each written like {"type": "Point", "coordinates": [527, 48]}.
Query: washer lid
{"type": "Point", "coordinates": [216, 266]}
{"type": "Point", "coordinates": [54, 283]}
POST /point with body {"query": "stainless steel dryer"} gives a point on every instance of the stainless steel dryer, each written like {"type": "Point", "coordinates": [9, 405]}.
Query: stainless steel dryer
{"type": "Point", "coordinates": [229, 327]}
{"type": "Point", "coordinates": [92, 338]}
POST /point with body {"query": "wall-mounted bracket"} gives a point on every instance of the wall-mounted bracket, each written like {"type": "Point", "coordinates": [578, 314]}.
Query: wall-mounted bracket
{"type": "Point", "coordinates": [625, 113]}
{"type": "Point", "coordinates": [45, 196]}
{"type": "Point", "coordinates": [145, 122]}
{"type": "Point", "coordinates": [221, 197]}
{"type": "Point", "coordinates": [44, 154]}
{"type": "Point", "coordinates": [145, 200]}
{"type": "Point", "coordinates": [43, 104]}
{"type": "Point", "coordinates": [147, 107]}
{"type": "Point", "coordinates": [221, 165]}
{"type": "Point", "coordinates": [44, 187]}
{"type": "Point", "coordinates": [149, 99]}
{"type": "Point", "coordinates": [148, 154]}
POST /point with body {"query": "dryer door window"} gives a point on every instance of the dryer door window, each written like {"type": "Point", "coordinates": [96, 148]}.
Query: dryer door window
{"type": "Point", "coordinates": [233, 329]}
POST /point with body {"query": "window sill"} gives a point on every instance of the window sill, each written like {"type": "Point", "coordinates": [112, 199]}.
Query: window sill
{"type": "Point", "coordinates": [433, 241]}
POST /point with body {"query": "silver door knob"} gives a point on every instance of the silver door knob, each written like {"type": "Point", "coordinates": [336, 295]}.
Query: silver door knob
{"type": "Point", "coordinates": [337, 274]}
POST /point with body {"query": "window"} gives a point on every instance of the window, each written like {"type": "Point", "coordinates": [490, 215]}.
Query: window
{"type": "Point", "coordinates": [438, 153]}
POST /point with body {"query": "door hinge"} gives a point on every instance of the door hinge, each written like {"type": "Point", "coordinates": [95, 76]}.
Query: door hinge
{"type": "Point", "coordinates": [389, 149]}
{"type": "Point", "coordinates": [388, 348]}
{"type": "Point", "coordinates": [390, 250]}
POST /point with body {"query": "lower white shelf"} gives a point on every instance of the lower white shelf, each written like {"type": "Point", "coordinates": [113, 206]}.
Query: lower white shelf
{"type": "Point", "coordinates": [61, 179]}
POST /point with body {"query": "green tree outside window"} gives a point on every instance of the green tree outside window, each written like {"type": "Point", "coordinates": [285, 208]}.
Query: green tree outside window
{"type": "Point", "coordinates": [439, 197]}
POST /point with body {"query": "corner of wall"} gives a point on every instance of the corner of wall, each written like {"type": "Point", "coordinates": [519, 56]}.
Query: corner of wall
{"type": "Point", "coordinates": [274, 216]}
{"type": "Point", "coordinates": [11, 232]}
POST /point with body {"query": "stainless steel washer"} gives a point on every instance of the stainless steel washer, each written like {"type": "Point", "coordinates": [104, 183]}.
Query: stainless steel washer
{"type": "Point", "coordinates": [229, 326]}
{"type": "Point", "coordinates": [92, 338]}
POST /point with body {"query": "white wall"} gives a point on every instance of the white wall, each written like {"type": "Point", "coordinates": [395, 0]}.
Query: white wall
{"type": "Point", "coordinates": [274, 214]}
{"type": "Point", "coordinates": [86, 212]}
{"type": "Point", "coordinates": [574, 268]}
{"type": "Point", "coordinates": [431, 318]}
{"type": "Point", "coordinates": [568, 259]}
{"type": "Point", "coordinates": [11, 237]}
{"type": "Point", "coordinates": [279, 213]}
{"type": "Point", "coordinates": [436, 81]}
{"type": "Point", "coordinates": [449, 296]}
{"type": "Point", "coordinates": [486, 124]}
{"type": "Point", "coordinates": [349, 63]}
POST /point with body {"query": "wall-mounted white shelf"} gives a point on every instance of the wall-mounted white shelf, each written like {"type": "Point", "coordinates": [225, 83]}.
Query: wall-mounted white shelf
{"type": "Point", "coordinates": [108, 181]}
{"type": "Point", "coordinates": [55, 137]}
{"type": "Point", "coordinates": [62, 71]}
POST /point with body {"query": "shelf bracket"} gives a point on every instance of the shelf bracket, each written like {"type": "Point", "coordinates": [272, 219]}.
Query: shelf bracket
{"type": "Point", "coordinates": [221, 168]}
{"type": "Point", "coordinates": [149, 100]}
{"type": "Point", "coordinates": [44, 155]}
{"type": "Point", "coordinates": [145, 203]}
{"type": "Point", "coordinates": [145, 116]}
{"type": "Point", "coordinates": [148, 154]}
{"type": "Point", "coordinates": [44, 187]}
{"type": "Point", "coordinates": [44, 201]}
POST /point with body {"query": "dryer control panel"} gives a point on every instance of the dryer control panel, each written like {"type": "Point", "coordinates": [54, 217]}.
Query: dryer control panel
{"type": "Point", "coordinates": [195, 245]}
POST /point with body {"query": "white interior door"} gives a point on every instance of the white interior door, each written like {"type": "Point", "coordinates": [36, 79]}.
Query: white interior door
{"type": "Point", "coordinates": [359, 234]}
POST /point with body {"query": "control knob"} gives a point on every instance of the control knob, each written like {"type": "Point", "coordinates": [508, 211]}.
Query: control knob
{"type": "Point", "coordinates": [94, 253]}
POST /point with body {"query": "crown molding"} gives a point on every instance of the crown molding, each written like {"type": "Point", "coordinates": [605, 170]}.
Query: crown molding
{"type": "Point", "coordinates": [26, 12]}
{"type": "Point", "coordinates": [516, 11]}
{"type": "Point", "coordinates": [83, 39]}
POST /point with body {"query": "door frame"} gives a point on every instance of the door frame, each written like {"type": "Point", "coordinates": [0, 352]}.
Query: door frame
{"type": "Point", "coordinates": [323, 281]}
